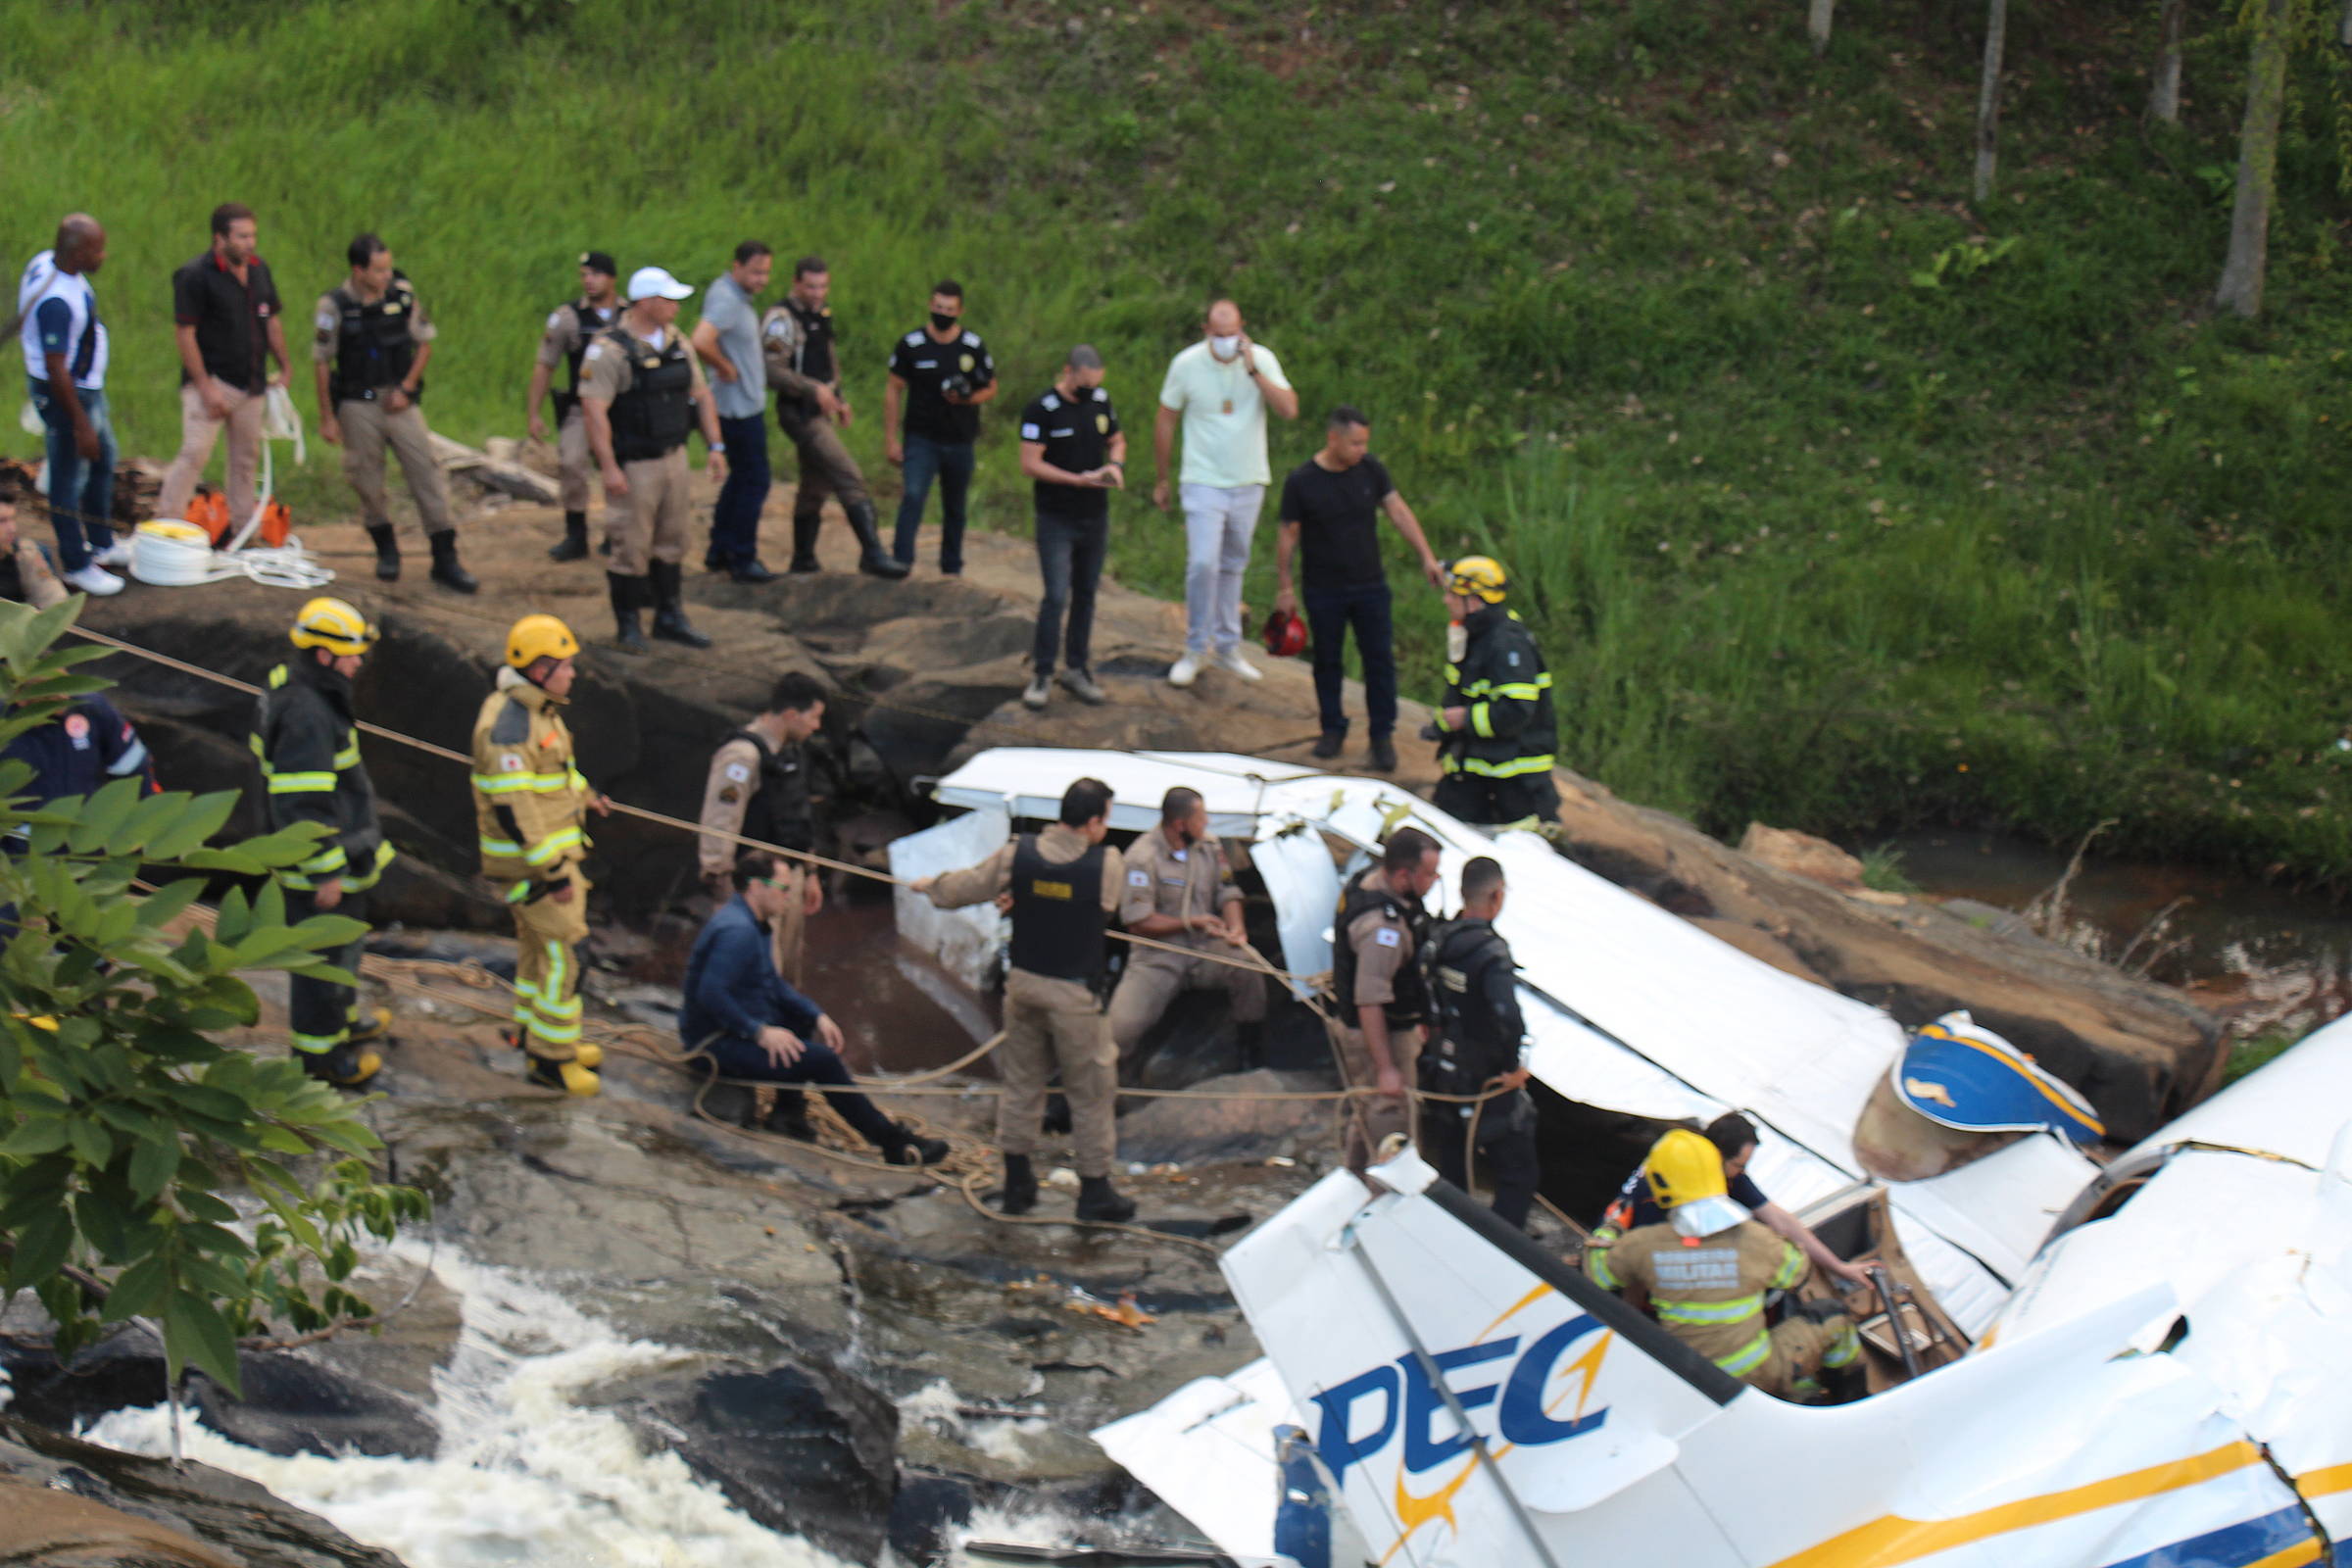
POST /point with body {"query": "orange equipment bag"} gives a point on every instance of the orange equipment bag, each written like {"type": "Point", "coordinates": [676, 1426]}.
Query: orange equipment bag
{"type": "Point", "coordinates": [277, 522]}
{"type": "Point", "coordinates": [208, 510]}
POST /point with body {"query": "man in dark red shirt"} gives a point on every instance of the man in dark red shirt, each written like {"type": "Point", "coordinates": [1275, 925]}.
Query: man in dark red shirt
{"type": "Point", "coordinates": [224, 310]}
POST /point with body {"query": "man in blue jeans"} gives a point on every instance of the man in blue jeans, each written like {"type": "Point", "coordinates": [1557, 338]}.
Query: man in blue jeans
{"type": "Point", "coordinates": [1331, 507]}
{"type": "Point", "coordinates": [940, 374]}
{"type": "Point", "coordinates": [65, 366]}
{"type": "Point", "coordinates": [754, 1025]}
{"type": "Point", "coordinates": [727, 340]}
{"type": "Point", "coordinates": [1073, 449]}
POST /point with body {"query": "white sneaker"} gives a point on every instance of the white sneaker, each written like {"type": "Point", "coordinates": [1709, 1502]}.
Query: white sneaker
{"type": "Point", "coordinates": [1185, 671]}
{"type": "Point", "coordinates": [1035, 695]}
{"type": "Point", "coordinates": [113, 555]}
{"type": "Point", "coordinates": [94, 580]}
{"type": "Point", "coordinates": [1231, 658]}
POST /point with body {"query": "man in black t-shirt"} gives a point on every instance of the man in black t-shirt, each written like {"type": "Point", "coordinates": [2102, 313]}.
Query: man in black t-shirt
{"type": "Point", "coordinates": [1331, 507]}
{"type": "Point", "coordinates": [1072, 447]}
{"type": "Point", "coordinates": [226, 319]}
{"type": "Point", "coordinates": [939, 375]}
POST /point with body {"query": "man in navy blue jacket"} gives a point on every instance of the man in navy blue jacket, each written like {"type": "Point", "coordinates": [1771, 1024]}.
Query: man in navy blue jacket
{"type": "Point", "coordinates": [754, 1025]}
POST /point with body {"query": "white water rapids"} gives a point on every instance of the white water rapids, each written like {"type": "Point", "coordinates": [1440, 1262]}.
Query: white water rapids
{"type": "Point", "coordinates": [525, 1477]}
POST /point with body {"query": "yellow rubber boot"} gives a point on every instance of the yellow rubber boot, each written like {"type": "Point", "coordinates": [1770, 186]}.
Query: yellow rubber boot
{"type": "Point", "coordinates": [588, 1054]}
{"type": "Point", "coordinates": [568, 1076]}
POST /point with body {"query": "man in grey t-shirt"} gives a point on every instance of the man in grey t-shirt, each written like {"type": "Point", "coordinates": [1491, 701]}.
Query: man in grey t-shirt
{"type": "Point", "coordinates": [727, 339]}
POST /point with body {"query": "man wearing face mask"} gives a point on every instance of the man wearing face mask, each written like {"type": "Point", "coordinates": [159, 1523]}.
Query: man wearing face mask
{"type": "Point", "coordinates": [1072, 447]}
{"type": "Point", "coordinates": [1220, 388]}
{"type": "Point", "coordinates": [940, 374]}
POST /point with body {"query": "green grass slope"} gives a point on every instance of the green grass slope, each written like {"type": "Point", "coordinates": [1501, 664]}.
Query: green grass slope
{"type": "Point", "coordinates": [1837, 502]}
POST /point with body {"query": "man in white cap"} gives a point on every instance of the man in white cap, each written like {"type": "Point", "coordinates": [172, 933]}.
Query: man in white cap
{"type": "Point", "coordinates": [641, 393]}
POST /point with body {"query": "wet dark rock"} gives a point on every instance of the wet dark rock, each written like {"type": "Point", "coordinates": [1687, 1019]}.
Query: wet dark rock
{"type": "Point", "coordinates": [121, 1371]}
{"type": "Point", "coordinates": [1199, 1132]}
{"type": "Point", "coordinates": [808, 1450]}
{"type": "Point", "coordinates": [74, 1504]}
{"type": "Point", "coordinates": [290, 1405]}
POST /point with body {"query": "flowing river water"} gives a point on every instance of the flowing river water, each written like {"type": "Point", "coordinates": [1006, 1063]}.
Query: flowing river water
{"type": "Point", "coordinates": [2272, 961]}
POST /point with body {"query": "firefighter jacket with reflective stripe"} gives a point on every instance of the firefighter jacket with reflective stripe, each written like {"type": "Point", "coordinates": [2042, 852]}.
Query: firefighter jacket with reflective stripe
{"type": "Point", "coordinates": [308, 750]}
{"type": "Point", "coordinates": [531, 804]}
{"type": "Point", "coordinates": [1708, 1291]}
{"type": "Point", "coordinates": [1501, 680]}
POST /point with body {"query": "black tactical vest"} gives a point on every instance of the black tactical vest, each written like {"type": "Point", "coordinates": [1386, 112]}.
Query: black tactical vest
{"type": "Point", "coordinates": [586, 325]}
{"type": "Point", "coordinates": [778, 811]}
{"type": "Point", "coordinates": [654, 415]}
{"type": "Point", "coordinates": [373, 345]}
{"type": "Point", "coordinates": [1470, 1037]}
{"type": "Point", "coordinates": [1409, 1002]}
{"type": "Point", "coordinates": [1057, 913]}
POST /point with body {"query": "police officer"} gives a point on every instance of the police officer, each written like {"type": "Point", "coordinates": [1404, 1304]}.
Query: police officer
{"type": "Point", "coordinates": [530, 808]}
{"type": "Point", "coordinates": [803, 365]}
{"type": "Point", "coordinates": [1177, 889]}
{"type": "Point", "coordinates": [308, 747]}
{"type": "Point", "coordinates": [1477, 1045]}
{"type": "Point", "coordinates": [644, 394]}
{"type": "Point", "coordinates": [1065, 887]}
{"type": "Point", "coordinates": [570, 329]}
{"type": "Point", "coordinates": [1382, 1000]}
{"type": "Point", "coordinates": [758, 789]}
{"type": "Point", "coordinates": [1705, 1271]}
{"type": "Point", "coordinates": [1073, 450]}
{"type": "Point", "coordinates": [372, 345]}
{"type": "Point", "coordinates": [942, 373]}
{"type": "Point", "coordinates": [1496, 722]}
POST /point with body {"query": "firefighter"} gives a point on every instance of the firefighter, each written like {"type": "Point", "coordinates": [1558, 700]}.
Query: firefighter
{"type": "Point", "coordinates": [1383, 1003]}
{"type": "Point", "coordinates": [1496, 723]}
{"type": "Point", "coordinates": [308, 747]}
{"type": "Point", "coordinates": [1705, 1271]}
{"type": "Point", "coordinates": [1477, 1045]}
{"type": "Point", "coordinates": [532, 807]}
{"type": "Point", "coordinates": [1065, 887]}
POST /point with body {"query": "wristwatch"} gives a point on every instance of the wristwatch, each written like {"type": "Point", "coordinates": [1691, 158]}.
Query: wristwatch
{"type": "Point", "coordinates": [719, 447]}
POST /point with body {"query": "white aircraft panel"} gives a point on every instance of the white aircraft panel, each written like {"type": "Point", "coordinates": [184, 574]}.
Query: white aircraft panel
{"type": "Point", "coordinates": [1305, 889]}
{"type": "Point", "coordinates": [964, 941]}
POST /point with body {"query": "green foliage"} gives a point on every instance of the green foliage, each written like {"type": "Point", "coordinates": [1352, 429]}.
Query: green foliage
{"type": "Point", "coordinates": [126, 1131]}
{"type": "Point", "coordinates": [1629, 291]}
{"type": "Point", "coordinates": [2248, 1054]}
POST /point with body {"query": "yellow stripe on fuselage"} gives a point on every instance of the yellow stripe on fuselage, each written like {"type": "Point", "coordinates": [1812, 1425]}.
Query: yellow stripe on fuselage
{"type": "Point", "coordinates": [2324, 1482]}
{"type": "Point", "coordinates": [1896, 1539]}
{"type": "Point", "coordinates": [2302, 1551]}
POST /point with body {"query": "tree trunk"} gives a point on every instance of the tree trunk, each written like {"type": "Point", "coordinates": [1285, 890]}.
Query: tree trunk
{"type": "Point", "coordinates": [2241, 289]}
{"type": "Point", "coordinates": [2164, 95]}
{"type": "Point", "coordinates": [1817, 23]}
{"type": "Point", "coordinates": [1989, 97]}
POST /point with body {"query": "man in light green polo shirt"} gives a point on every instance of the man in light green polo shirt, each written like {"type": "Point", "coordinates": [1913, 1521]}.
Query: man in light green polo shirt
{"type": "Point", "coordinates": [1221, 388]}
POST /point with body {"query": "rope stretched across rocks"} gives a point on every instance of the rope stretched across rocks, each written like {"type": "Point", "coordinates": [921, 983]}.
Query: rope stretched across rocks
{"type": "Point", "coordinates": [1250, 959]}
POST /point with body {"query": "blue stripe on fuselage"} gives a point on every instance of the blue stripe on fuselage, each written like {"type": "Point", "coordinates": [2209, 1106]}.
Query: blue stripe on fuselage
{"type": "Point", "coordinates": [2231, 1547]}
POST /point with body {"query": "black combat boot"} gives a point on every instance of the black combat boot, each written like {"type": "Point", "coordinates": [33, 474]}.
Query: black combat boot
{"type": "Point", "coordinates": [447, 571]}
{"type": "Point", "coordinates": [788, 1117]}
{"type": "Point", "coordinates": [1020, 1186]}
{"type": "Point", "coordinates": [1250, 1040]}
{"type": "Point", "coordinates": [574, 546]}
{"type": "Point", "coordinates": [804, 543]}
{"type": "Point", "coordinates": [911, 1149]}
{"type": "Point", "coordinates": [346, 1067]}
{"type": "Point", "coordinates": [388, 552]}
{"type": "Point", "coordinates": [1097, 1200]}
{"type": "Point", "coordinates": [873, 560]}
{"type": "Point", "coordinates": [628, 598]}
{"type": "Point", "coordinates": [669, 606]}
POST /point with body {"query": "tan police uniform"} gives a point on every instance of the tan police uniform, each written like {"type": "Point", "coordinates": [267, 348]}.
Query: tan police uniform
{"type": "Point", "coordinates": [532, 811]}
{"type": "Point", "coordinates": [727, 794]}
{"type": "Point", "coordinates": [368, 425]}
{"type": "Point", "coordinates": [1050, 1022]}
{"type": "Point", "coordinates": [1709, 1293]}
{"type": "Point", "coordinates": [576, 465]}
{"type": "Point", "coordinates": [1158, 878]}
{"type": "Point", "coordinates": [1381, 947]}
{"type": "Point", "coordinates": [826, 467]}
{"type": "Point", "coordinates": [652, 521]}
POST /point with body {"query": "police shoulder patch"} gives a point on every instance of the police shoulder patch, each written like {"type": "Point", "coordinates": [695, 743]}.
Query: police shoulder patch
{"type": "Point", "coordinates": [914, 339]}
{"type": "Point", "coordinates": [595, 350]}
{"type": "Point", "coordinates": [556, 318]}
{"type": "Point", "coordinates": [1385, 935]}
{"type": "Point", "coordinates": [1139, 879]}
{"type": "Point", "coordinates": [737, 772]}
{"type": "Point", "coordinates": [1050, 403]}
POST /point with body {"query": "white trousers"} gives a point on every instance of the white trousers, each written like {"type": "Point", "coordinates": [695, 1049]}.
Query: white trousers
{"type": "Point", "coordinates": [1218, 522]}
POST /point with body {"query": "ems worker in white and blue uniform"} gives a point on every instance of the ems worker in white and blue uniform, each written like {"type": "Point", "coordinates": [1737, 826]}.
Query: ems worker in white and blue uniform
{"type": "Point", "coordinates": [65, 366]}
